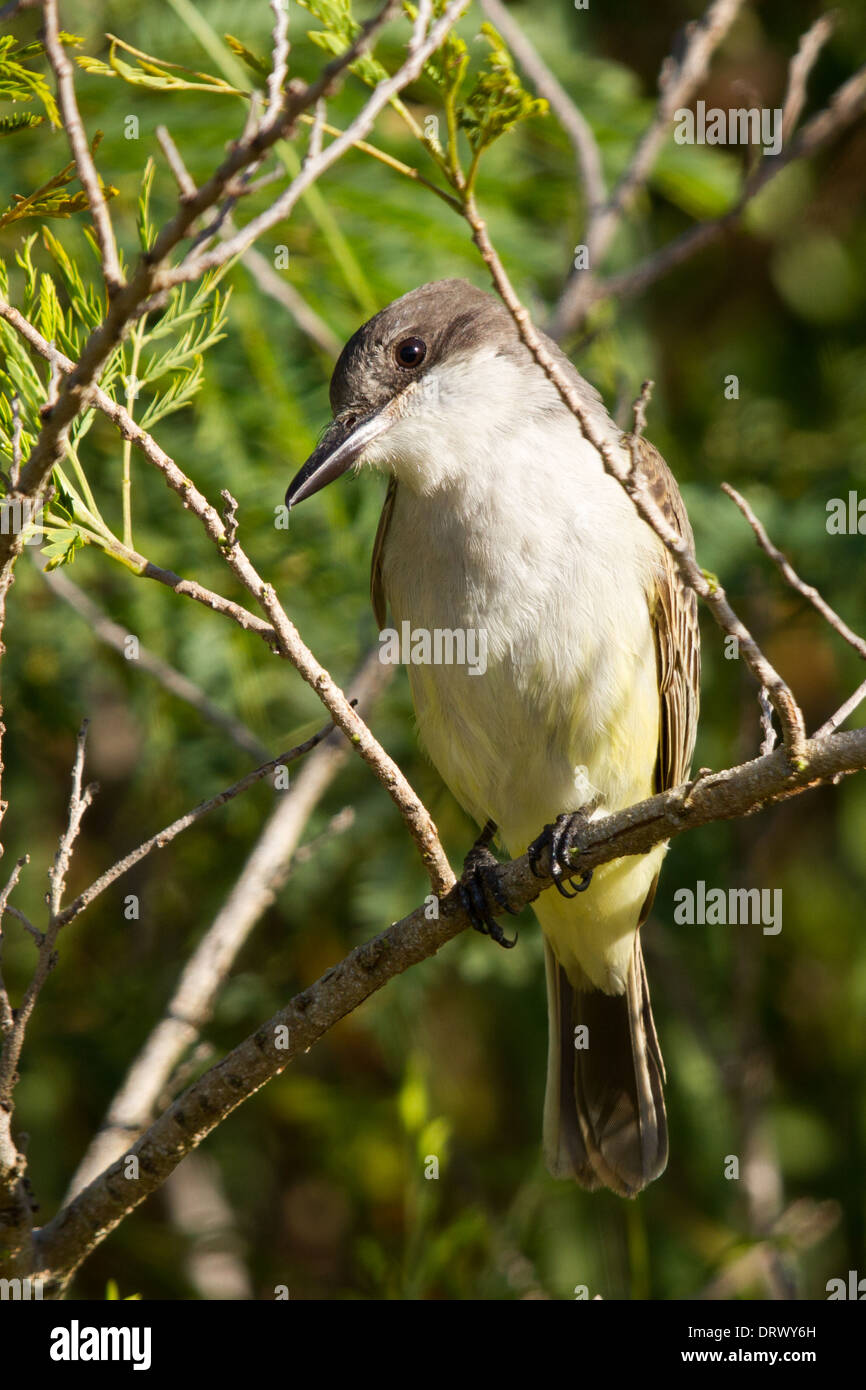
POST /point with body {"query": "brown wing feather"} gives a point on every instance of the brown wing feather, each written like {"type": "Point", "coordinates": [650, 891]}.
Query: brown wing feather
{"type": "Point", "coordinates": [377, 592]}
{"type": "Point", "coordinates": [674, 615]}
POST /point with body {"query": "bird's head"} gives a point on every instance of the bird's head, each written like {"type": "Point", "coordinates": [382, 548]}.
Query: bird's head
{"type": "Point", "coordinates": [440, 365]}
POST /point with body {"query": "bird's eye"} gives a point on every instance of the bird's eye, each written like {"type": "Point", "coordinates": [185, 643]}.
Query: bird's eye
{"type": "Point", "coordinates": [411, 352]}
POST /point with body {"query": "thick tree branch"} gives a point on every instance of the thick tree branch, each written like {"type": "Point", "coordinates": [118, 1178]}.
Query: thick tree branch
{"type": "Point", "coordinates": [82, 1224]}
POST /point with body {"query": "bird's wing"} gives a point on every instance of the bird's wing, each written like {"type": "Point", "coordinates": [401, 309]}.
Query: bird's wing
{"type": "Point", "coordinates": [674, 616]}
{"type": "Point", "coordinates": [377, 592]}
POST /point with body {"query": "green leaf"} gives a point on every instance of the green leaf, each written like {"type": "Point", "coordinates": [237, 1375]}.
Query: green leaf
{"type": "Point", "coordinates": [146, 229]}
{"type": "Point", "coordinates": [23, 120]}
{"type": "Point", "coordinates": [252, 60]}
{"type": "Point", "coordinates": [61, 549]}
{"type": "Point", "coordinates": [154, 73]}
{"type": "Point", "coordinates": [498, 100]}
{"type": "Point", "coordinates": [50, 318]}
{"type": "Point", "coordinates": [446, 68]}
{"type": "Point", "coordinates": [49, 200]}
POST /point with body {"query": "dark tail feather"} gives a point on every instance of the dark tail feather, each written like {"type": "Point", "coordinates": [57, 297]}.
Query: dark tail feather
{"type": "Point", "coordinates": [604, 1111]}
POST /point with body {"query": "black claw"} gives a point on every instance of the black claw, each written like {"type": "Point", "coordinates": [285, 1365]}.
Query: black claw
{"type": "Point", "coordinates": [560, 839]}
{"type": "Point", "coordinates": [480, 877]}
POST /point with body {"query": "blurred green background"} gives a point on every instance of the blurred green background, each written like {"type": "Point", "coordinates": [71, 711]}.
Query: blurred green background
{"type": "Point", "coordinates": [763, 1036]}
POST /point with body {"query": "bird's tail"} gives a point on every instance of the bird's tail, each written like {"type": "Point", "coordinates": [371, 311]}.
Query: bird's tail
{"type": "Point", "coordinates": [604, 1109]}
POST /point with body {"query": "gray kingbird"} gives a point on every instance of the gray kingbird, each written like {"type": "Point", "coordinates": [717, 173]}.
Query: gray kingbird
{"type": "Point", "coordinates": [500, 519]}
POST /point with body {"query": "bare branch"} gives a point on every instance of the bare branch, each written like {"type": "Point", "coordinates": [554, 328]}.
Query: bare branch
{"type": "Point", "coordinates": [7, 1021]}
{"type": "Point", "coordinates": [80, 147]}
{"type": "Point", "coordinates": [183, 178]}
{"type": "Point", "coordinates": [190, 1006]}
{"type": "Point", "coordinates": [708, 589]}
{"type": "Point", "coordinates": [314, 148]}
{"type": "Point", "coordinates": [422, 21]}
{"type": "Point", "coordinates": [15, 469]}
{"type": "Point", "coordinates": [280, 62]}
{"type": "Point", "coordinates": [678, 80]}
{"type": "Point", "coordinates": [116, 637]}
{"type": "Point", "coordinates": [768, 733]}
{"type": "Point", "coordinates": [789, 574]}
{"type": "Point", "coordinates": [800, 67]}
{"type": "Point", "coordinates": [572, 120]}
{"type": "Point", "coordinates": [78, 803]}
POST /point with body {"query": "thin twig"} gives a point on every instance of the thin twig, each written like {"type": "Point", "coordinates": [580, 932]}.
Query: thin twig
{"type": "Point", "coordinates": [7, 1018]}
{"type": "Point", "coordinates": [790, 576]}
{"type": "Point", "coordinates": [710, 591]}
{"type": "Point", "coordinates": [799, 69]}
{"type": "Point", "coordinates": [768, 733]}
{"type": "Point", "coordinates": [15, 469]}
{"type": "Point", "coordinates": [843, 712]}
{"type": "Point", "coordinates": [314, 147]}
{"type": "Point", "coordinates": [267, 867]}
{"type": "Point", "coordinates": [117, 637]}
{"type": "Point", "coordinates": [279, 61]}
{"type": "Point", "coordinates": [183, 178]}
{"type": "Point", "coordinates": [79, 801]}
{"type": "Point", "coordinates": [78, 143]}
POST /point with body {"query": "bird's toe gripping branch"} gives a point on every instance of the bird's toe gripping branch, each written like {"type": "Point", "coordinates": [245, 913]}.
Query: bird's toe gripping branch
{"type": "Point", "coordinates": [561, 838]}
{"type": "Point", "coordinates": [481, 879]}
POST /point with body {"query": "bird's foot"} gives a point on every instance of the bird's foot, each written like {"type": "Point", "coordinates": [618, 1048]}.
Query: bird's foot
{"type": "Point", "coordinates": [561, 838]}
{"type": "Point", "coordinates": [479, 882]}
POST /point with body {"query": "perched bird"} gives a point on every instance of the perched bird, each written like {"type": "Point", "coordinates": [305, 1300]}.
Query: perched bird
{"type": "Point", "coordinates": [500, 519]}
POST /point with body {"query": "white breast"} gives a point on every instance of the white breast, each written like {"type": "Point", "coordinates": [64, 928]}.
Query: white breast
{"type": "Point", "coordinates": [535, 545]}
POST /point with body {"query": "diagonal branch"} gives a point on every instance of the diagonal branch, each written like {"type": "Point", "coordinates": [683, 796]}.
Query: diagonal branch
{"type": "Point", "coordinates": [678, 81]}
{"type": "Point", "coordinates": [706, 588]}
{"type": "Point", "coordinates": [281, 633]}
{"type": "Point", "coordinates": [175, 682]}
{"type": "Point", "coordinates": [134, 1105]}
{"type": "Point", "coordinates": [84, 1222]}
{"type": "Point", "coordinates": [78, 143]}
{"type": "Point", "coordinates": [789, 574]}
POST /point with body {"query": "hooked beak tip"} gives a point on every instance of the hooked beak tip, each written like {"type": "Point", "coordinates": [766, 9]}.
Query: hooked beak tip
{"type": "Point", "coordinates": [343, 444]}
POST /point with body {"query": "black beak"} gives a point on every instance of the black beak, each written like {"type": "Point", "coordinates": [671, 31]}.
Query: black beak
{"type": "Point", "coordinates": [343, 443]}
